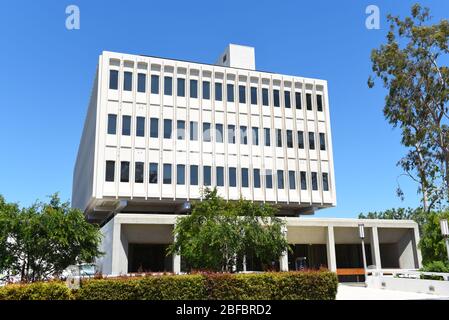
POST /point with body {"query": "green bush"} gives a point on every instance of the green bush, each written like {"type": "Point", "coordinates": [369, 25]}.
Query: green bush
{"type": "Point", "coordinates": [36, 291]}
{"type": "Point", "coordinates": [435, 266]}
{"type": "Point", "coordinates": [313, 285]}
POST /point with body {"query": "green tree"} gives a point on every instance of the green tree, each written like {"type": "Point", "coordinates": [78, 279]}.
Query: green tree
{"type": "Point", "coordinates": [41, 241]}
{"type": "Point", "coordinates": [218, 233]}
{"type": "Point", "coordinates": [409, 66]}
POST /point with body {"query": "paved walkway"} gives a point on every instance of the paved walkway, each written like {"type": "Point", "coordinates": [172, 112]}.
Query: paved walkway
{"type": "Point", "coordinates": [350, 292]}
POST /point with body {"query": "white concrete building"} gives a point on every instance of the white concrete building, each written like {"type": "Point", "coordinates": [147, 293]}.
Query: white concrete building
{"type": "Point", "coordinates": [157, 130]}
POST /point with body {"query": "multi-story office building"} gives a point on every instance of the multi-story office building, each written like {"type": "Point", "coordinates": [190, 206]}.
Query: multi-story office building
{"type": "Point", "coordinates": [159, 130]}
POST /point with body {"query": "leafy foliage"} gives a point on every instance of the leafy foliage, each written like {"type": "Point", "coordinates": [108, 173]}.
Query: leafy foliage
{"type": "Point", "coordinates": [218, 233]}
{"type": "Point", "coordinates": [36, 291]}
{"type": "Point", "coordinates": [41, 241]}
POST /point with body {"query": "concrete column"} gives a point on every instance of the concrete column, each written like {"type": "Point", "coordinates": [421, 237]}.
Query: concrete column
{"type": "Point", "coordinates": [375, 248]}
{"type": "Point", "coordinates": [330, 245]}
{"type": "Point", "coordinates": [418, 263]}
{"type": "Point", "coordinates": [283, 260]}
{"type": "Point", "coordinates": [119, 250]}
{"type": "Point", "coordinates": [176, 260]}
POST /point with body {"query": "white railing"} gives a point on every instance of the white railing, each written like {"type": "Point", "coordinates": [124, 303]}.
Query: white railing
{"type": "Point", "coordinates": [406, 273]}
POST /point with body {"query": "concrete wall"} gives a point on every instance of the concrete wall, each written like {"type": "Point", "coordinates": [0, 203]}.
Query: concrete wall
{"type": "Point", "coordinates": [105, 262]}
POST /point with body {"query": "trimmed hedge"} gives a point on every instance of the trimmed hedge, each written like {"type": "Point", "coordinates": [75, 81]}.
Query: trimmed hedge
{"type": "Point", "coordinates": [311, 285]}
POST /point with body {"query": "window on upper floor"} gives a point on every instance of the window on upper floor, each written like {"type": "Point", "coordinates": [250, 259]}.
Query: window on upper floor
{"type": "Point", "coordinates": [279, 138]}
{"type": "Point", "coordinates": [124, 171]}
{"type": "Point", "coordinates": [298, 103]}
{"type": "Point", "coordinates": [193, 175]}
{"type": "Point", "coordinates": [256, 176]}
{"type": "Point", "coordinates": [138, 172]}
{"type": "Point", "coordinates": [140, 126]}
{"type": "Point", "coordinates": [309, 101]}
{"type": "Point", "coordinates": [126, 125]}
{"type": "Point", "coordinates": [280, 175]}
{"type": "Point", "coordinates": [325, 181]}
{"type": "Point", "coordinates": [167, 128]}
{"type": "Point", "coordinates": [303, 177]}
{"type": "Point", "coordinates": [181, 130]}
{"type": "Point", "coordinates": [255, 137]}
{"type": "Point", "coordinates": [230, 92]}
{"type": "Point", "coordinates": [300, 139]}
{"type": "Point", "coordinates": [319, 102]}
{"type": "Point", "coordinates": [287, 101]}
{"type": "Point", "coordinates": [291, 180]}
{"type": "Point", "coordinates": [253, 95]}
{"type": "Point", "coordinates": [207, 175]}
{"type": "Point", "coordinates": [311, 140]}
{"type": "Point", "coordinates": [113, 79]}
{"type": "Point", "coordinates": [265, 101]}
{"type": "Point", "coordinates": [276, 98]}
{"type": "Point", "coordinates": [245, 180]}
{"type": "Point", "coordinates": [112, 123]}
{"type": "Point", "coordinates": [218, 132]}
{"type": "Point", "coordinates": [154, 127]}
{"type": "Point", "coordinates": [232, 177]}
{"type": "Point", "coordinates": [181, 87]}
{"type": "Point", "coordinates": [314, 181]}
{"type": "Point", "coordinates": [110, 171]}
{"type": "Point", "coordinates": [289, 139]}
{"type": "Point", "coordinates": [243, 135]}
{"type": "Point", "coordinates": [267, 137]}
{"type": "Point", "coordinates": [193, 131]}
{"type": "Point", "coordinates": [180, 174]}
{"type": "Point", "coordinates": [220, 176]}
{"type": "Point", "coordinates": [128, 81]}
{"type": "Point", "coordinates": [242, 94]}
{"type": "Point", "coordinates": [166, 179]}
{"type": "Point", "coordinates": [206, 90]}
{"type": "Point", "coordinates": [218, 91]}
{"type": "Point", "coordinates": [193, 88]}
{"type": "Point", "coordinates": [168, 86]}
{"type": "Point", "coordinates": [153, 172]}
{"type": "Point", "coordinates": [268, 179]}
{"type": "Point", "coordinates": [141, 82]}
{"type": "Point", "coordinates": [322, 141]}
{"type": "Point", "coordinates": [206, 132]}
{"type": "Point", "coordinates": [154, 84]}
{"type": "Point", "coordinates": [231, 133]}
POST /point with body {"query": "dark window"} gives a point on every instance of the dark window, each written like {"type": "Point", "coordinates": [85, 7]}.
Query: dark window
{"type": "Point", "coordinates": [194, 175]}
{"type": "Point", "coordinates": [242, 94]}
{"type": "Point", "coordinates": [193, 130]}
{"type": "Point", "coordinates": [322, 141]}
{"type": "Point", "coordinates": [110, 171]}
{"type": "Point", "coordinates": [267, 137]}
{"type": "Point", "coordinates": [230, 92]}
{"type": "Point", "coordinates": [311, 141]}
{"type": "Point", "coordinates": [298, 100]}
{"type": "Point", "coordinates": [255, 136]}
{"type": "Point", "coordinates": [126, 125]}
{"type": "Point", "coordinates": [319, 102]}
{"type": "Point", "coordinates": [218, 91]}
{"type": "Point", "coordinates": [287, 101]}
{"type": "Point", "coordinates": [218, 132]}
{"type": "Point", "coordinates": [207, 175]}
{"type": "Point", "coordinates": [253, 95]}
{"type": "Point", "coordinates": [153, 172]}
{"type": "Point", "coordinates": [245, 183]}
{"type": "Point", "coordinates": [139, 172]}
{"type": "Point", "coordinates": [231, 133]}
{"type": "Point", "coordinates": [232, 177]}
{"type": "Point", "coordinates": [279, 138]}
{"type": "Point", "coordinates": [113, 79]}
{"type": "Point", "coordinates": [193, 88]}
{"type": "Point", "coordinates": [276, 97]}
{"type": "Point", "coordinates": [140, 126]}
{"type": "Point", "coordinates": [167, 128]}
{"type": "Point", "coordinates": [280, 179]}
{"type": "Point", "coordinates": [303, 180]}
{"type": "Point", "coordinates": [181, 87]}
{"type": "Point", "coordinates": [206, 132]}
{"type": "Point", "coordinates": [300, 140]}
{"type": "Point", "coordinates": [291, 180]}
{"type": "Point", "coordinates": [167, 173]}
{"type": "Point", "coordinates": [289, 139]}
{"type": "Point", "coordinates": [141, 82]}
{"type": "Point", "coordinates": [181, 130]}
{"type": "Point", "coordinates": [168, 86]}
{"type": "Point", "coordinates": [314, 181]}
{"type": "Point", "coordinates": [243, 135]}
{"type": "Point", "coordinates": [206, 90]}
{"type": "Point", "coordinates": [154, 127]}
{"type": "Point", "coordinates": [265, 97]}
{"type": "Point", "coordinates": [128, 81]}
{"type": "Point", "coordinates": [155, 84]}
{"type": "Point", "coordinates": [325, 181]}
{"type": "Point", "coordinates": [180, 174]}
{"type": "Point", "coordinates": [112, 123]}
{"type": "Point", "coordinates": [124, 171]}
{"type": "Point", "coordinates": [268, 179]}
{"type": "Point", "coordinates": [220, 176]}
{"type": "Point", "coordinates": [256, 178]}
{"type": "Point", "coordinates": [309, 101]}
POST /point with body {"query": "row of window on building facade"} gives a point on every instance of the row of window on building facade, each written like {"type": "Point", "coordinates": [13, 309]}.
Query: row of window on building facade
{"type": "Point", "coordinates": [206, 92]}
{"type": "Point", "coordinates": [207, 176]}
{"type": "Point", "coordinates": [207, 132]}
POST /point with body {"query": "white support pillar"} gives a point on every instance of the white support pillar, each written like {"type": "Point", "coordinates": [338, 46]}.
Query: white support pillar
{"type": "Point", "coordinates": [330, 246]}
{"type": "Point", "coordinates": [283, 260]}
{"type": "Point", "coordinates": [119, 252]}
{"type": "Point", "coordinates": [176, 260]}
{"type": "Point", "coordinates": [418, 263]}
{"type": "Point", "coordinates": [375, 248]}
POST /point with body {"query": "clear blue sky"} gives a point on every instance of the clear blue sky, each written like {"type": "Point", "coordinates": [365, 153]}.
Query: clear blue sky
{"type": "Point", "coordinates": [47, 74]}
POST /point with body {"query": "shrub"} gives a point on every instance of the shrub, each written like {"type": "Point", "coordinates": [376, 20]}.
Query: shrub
{"type": "Point", "coordinates": [172, 287]}
{"type": "Point", "coordinates": [36, 291]}
{"type": "Point", "coordinates": [108, 289]}
{"type": "Point", "coordinates": [435, 266]}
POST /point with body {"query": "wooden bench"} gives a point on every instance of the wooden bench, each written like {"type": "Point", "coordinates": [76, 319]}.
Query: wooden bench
{"type": "Point", "coordinates": [351, 272]}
